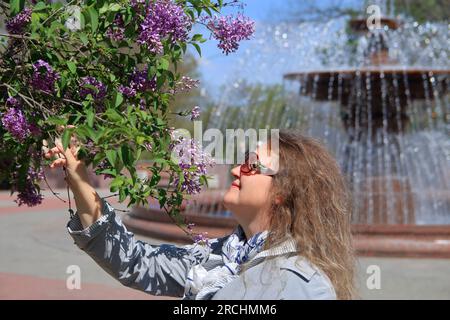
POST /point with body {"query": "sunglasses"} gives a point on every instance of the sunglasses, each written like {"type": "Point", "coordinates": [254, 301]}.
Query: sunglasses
{"type": "Point", "coordinates": [252, 164]}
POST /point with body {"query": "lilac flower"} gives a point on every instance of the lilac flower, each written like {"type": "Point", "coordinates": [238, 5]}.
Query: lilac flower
{"type": "Point", "coordinates": [17, 24]}
{"type": "Point", "coordinates": [142, 104]}
{"type": "Point", "coordinates": [201, 238]}
{"type": "Point", "coordinates": [90, 147]}
{"type": "Point", "coordinates": [13, 102]}
{"type": "Point", "coordinates": [117, 31]}
{"type": "Point", "coordinates": [230, 31]}
{"type": "Point", "coordinates": [29, 195]}
{"type": "Point", "coordinates": [193, 162]}
{"type": "Point", "coordinates": [15, 123]}
{"type": "Point", "coordinates": [195, 113]}
{"type": "Point", "coordinates": [127, 91]}
{"type": "Point", "coordinates": [98, 94]}
{"type": "Point", "coordinates": [163, 19]}
{"type": "Point", "coordinates": [190, 226]}
{"type": "Point", "coordinates": [44, 77]}
{"type": "Point", "coordinates": [103, 166]}
{"type": "Point", "coordinates": [139, 82]}
{"type": "Point", "coordinates": [35, 174]}
{"type": "Point", "coordinates": [185, 84]}
{"type": "Point", "coordinates": [148, 147]}
{"type": "Point", "coordinates": [136, 4]}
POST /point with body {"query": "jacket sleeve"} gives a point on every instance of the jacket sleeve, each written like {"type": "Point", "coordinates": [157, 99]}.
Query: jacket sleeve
{"type": "Point", "coordinates": [155, 269]}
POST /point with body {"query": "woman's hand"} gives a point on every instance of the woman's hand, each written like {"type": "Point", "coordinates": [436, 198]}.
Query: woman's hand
{"type": "Point", "coordinates": [88, 202]}
{"type": "Point", "coordinates": [76, 169]}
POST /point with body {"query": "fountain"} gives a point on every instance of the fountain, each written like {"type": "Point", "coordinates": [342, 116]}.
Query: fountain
{"type": "Point", "coordinates": [385, 117]}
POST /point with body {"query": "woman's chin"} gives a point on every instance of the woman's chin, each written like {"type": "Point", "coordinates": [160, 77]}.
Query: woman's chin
{"type": "Point", "coordinates": [230, 199]}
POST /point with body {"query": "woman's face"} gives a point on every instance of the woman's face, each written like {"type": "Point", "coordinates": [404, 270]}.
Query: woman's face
{"type": "Point", "coordinates": [249, 192]}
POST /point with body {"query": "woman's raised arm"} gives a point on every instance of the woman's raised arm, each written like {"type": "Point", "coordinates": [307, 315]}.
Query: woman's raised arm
{"type": "Point", "coordinates": [95, 228]}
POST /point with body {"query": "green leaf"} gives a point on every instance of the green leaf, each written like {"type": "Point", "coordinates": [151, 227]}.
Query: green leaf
{"type": "Point", "coordinates": [113, 115]}
{"type": "Point", "coordinates": [197, 47]}
{"type": "Point", "coordinates": [114, 7]}
{"type": "Point", "coordinates": [112, 156]}
{"type": "Point", "coordinates": [198, 37]}
{"type": "Point", "coordinates": [104, 9]}
{"type": "Point", "coordinates": [66, 137]}
{"type": "Point", "coordinates": [72, 67]}
{"type": "Point", "coordinates": [163, 64]}
{"type": "Point", "coordinates": [90, 117]}
{"type": "Point", "coordinates": [16, 6]}
{"type": "Point", "coordinates": [122, 194]}
{"type": "Point", "coordinates": [118, 99]}
{"type": "Point", "coordinates": [93, 16]}
{"type": "Point", "coordinates": [84, 38]}
{"type": "Point", "coordinates": [39, 6]}
{"type": "Point", "coordinates": [56, 121]}
{"type": "Point", "coordinates": [140, 140]}
{"type": "Point", "coordinates": [116, 183]}
{"type": "Point", "coordinates": [126, 155]}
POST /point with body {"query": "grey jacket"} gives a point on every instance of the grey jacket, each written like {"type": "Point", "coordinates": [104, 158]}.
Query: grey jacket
{"type": "Point", "coordinates": [162, 269]}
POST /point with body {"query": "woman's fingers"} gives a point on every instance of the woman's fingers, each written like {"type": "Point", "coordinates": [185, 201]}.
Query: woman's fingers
{"type": "Point", "coordinates": [58, 163]}
{"type": "Point", "coordinates": [52, 152]}
{"type": "Point", "coordinates": [66, 153]}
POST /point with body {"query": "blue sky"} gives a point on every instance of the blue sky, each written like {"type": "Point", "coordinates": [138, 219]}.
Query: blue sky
{"type": "Point", "coordinates": [216, 67]}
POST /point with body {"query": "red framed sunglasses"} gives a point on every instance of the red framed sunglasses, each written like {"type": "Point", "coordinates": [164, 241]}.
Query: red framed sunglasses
{"type": "Point", "coordinates": [252, 164]}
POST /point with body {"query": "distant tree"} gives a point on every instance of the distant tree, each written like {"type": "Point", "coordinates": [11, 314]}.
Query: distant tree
{"type": "Point", "coordinates": [419, 10]}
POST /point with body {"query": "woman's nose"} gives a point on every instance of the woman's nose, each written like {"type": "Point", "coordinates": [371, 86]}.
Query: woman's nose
{"type": "Point", "coordinates": [236, 171]}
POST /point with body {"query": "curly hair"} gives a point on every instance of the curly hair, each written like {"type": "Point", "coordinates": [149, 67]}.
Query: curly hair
{"type": "Point", "coordinates": [315, 209]}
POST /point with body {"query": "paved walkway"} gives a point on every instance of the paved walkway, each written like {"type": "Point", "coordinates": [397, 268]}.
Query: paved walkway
{"type": "Point", "coordinates": [36, 252]}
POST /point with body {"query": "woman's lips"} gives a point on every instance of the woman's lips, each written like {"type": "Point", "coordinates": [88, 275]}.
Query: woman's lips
{"type": "Point", "coordinates": [235, 185]}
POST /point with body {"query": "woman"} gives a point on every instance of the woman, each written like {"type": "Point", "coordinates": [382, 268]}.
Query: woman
{"type": "Point", "coordinates": [293, 240]}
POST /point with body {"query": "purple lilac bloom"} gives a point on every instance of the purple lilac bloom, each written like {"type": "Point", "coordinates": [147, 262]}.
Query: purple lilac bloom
{"type": "Point", "coordinates": [190, 155]}
{"type": "Point", "coordinates": [44, 77]}
{"type": "Point", "coordinates": [135, 4]}
{"type": "Point", "coordinates": [17, 24]}
{"type": "Point", "coordinates": [195, 113]}
{"type": "Point", "coordinates": [30, 195]}
{"type": "Point", "coordinates": [102, 166]}
{"type": "Point", "coordinates": [101, 89]}
{"type": "Point", "coordinates": [117, 31]}
{"type": "Point", "coordinates": [230, 31]}
{"type": "Point", "coordinates": [16, 123]}
{"type": "Point", "coordinates": [127, 91]}
{"type": "Point", "coordinates": [35, 174]}
{"type": "Point", "coordinates": [190, 226]}
{"type": "Point", "coordinates": [148, 147]}
{"type": "Point", "coordinates": [185, 84]}
{"type": "Point", "coordinates": [163, 19]}
{"type": "Point", "coordinates": [91, 149]}
{"type": "Point", "coordinates": [142, 104]}
{"type": "Point", "coordinates": [201, 238]}
{"type": "Point", "coordinates": [139, 82]}
{"type": "Point", "coordinates": [13, 102]}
